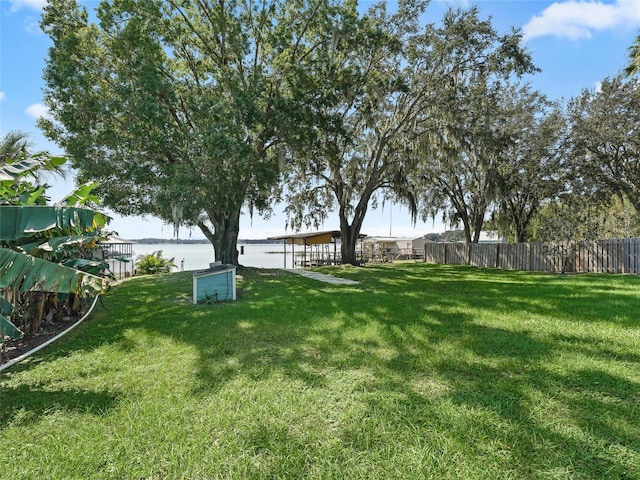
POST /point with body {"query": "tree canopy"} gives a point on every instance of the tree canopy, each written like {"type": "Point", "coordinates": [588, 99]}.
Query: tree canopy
{"type": "Point", "coordinates": [176, 107]}
{"type": "Point", "coordinates": [534, 167]}
{"type": "Point", "coordinates": [387, 79]}
{"type": "Point", "coordinates": [460, 154]}
{"type": "Point", "coordinates": [196, 111]}
{"type": "Point", "coordinates": [605, 138]}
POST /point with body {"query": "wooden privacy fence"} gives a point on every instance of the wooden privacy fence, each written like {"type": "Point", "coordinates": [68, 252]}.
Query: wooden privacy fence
{"type": "Point", "coordinates": [601, 256]}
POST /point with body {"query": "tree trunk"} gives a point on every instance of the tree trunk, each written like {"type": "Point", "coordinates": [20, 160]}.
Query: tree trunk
{"type": "Point", "coordinates": [349, 238]}
{"type": "Point", "coordinates": [73, 305]}
{"type": "Point", "coordinates": [349, 233]}
{"type": "Point", "coordinates": [477, 228]}
{"type": "Point", "coordinates": [37, 312]}
{"type": "Point", "coordinates": [466, 228]}
{"type": "Point", "coordinates": [224, 238]}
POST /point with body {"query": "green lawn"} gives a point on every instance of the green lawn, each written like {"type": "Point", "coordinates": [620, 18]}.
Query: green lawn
{"type": "Point", "coordinates": [419, 371]}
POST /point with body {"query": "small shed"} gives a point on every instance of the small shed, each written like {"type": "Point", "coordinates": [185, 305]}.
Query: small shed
{"type": "Point", "coordinates": [215, 284]}
{"type": "Point", "coordinates": [394, 248]}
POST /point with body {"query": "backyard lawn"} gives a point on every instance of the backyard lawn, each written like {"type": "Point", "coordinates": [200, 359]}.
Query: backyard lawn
{"type": "Point", "coordinates": [418, 371]}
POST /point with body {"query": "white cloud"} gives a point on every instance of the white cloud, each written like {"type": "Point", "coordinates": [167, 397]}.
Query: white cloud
{"type": "Point", "coordinates": [2, 96]}
{"type": "Point", "coordinates": [32, 26]}
{"type": "Point", "coordinates": [37, 110]}
{"type": "Point", "coordinates": [576, 19]}
{"type": "Point", "coordinates": [31, 4]}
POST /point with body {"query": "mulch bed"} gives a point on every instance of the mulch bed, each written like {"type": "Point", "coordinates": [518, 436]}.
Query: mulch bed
{"type": "Point", "coordinates": [15, 348]}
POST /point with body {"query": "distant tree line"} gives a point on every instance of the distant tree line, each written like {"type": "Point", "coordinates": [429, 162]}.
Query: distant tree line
{"type": "Point", "coordinates": [195, 111]}
{"type": "Point", "coordinates": [189, 241]}
{"type": "Point", "coordinates": [456, 235]}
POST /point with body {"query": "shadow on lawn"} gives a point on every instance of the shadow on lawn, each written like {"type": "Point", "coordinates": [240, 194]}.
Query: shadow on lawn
{"type": "Point", "coordinates": [418, 333]}
{"type": "Point", "coordinates": [489, 369]}
{"type": "Point", "coordinates": [25, 403]}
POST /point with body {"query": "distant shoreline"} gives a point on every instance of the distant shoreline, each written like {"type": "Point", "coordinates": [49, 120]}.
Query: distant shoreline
{"type": "Point", "coordinates": [179, 241]}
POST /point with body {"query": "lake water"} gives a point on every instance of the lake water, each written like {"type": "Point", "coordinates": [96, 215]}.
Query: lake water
{"type": "Point", "coordinates": [199, 256]}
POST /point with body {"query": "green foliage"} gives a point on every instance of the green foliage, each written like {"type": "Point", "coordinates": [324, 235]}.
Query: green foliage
{"type": "Point", "coordinates": [27, 273]}
{"type": "Point", "coordinates": [633, 68]}
{"type": "Point", "coordinates": [470, 134]}
{"type": "Point", "coordinates": [19, 169]}
{"type": "Point", "coordinates": [7, 328]}
{"type": "Point", "coordinates": [448, 236]}
{"type": "Point", "coordinates": [154, 263]}
{"type": "Point", "coordinates": [534, 168]}
{"type": "Point", "coordinates": [176, 108]}
{"type": "Point", "coordinates": [579, 217]}
{"type": "Point", "coordinates": [384, 84]}
{"type": "Point", "coordinates": [417, 372]}
{"type": "Point", "coordinates": [605, 140]}
{"type": "Point", "coordinates": [37, 242]}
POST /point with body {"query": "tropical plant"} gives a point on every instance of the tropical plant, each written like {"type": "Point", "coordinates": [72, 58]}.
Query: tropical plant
{"type": "Point", "coordinates": [19, 170]}
{"type": "Point", "coordinates": [45, 251]}
{"type": "Point", "coordinates": [633, 67]}
{"type": "Point", "coordinates": [154, 263]}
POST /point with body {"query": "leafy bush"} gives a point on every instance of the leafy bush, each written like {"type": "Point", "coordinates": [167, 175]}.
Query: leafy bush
{"type": "Point", "coordinates": [154, 263]}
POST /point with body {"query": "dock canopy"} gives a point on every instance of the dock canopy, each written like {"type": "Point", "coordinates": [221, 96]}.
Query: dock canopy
{"type": "Point", "coordinates": [310, 238]}
{"type": "Point", "coordinates": [319, 256]}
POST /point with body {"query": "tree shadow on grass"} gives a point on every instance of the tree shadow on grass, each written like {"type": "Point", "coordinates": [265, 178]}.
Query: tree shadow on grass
{"type": "Point", "coordinates": [25, 403]}
{"type": "Point", "coordinates": [532, 446]}
{"type": "Point", "coordinates": [588, 414]}
{"type": "Point", "coordinates": [420, 350]}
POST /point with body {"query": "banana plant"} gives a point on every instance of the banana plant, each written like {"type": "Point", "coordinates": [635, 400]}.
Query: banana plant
{"type": "Point", "coordinates": [6, 327]}
{"type": "Point", "coordinates": [40, 244]}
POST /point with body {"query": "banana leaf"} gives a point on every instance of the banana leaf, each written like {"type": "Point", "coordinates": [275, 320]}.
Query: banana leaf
{"type": "Point", "coordinates": [94, 267]}
{"type": "Point", "coordinates": [27, 273]}
{"type": "Point", "coordinates": [12, 171]}
{"type": "Point", "coordinates": [40, 245]}
{"type": "Point", "coordinates": [6, 307]}
{"type": "Point", "coordinates": [17, 221]}
{"type": "Point", "coordinates": [80, 196]}
{"type": "Point", "coordinates": [8, 328]}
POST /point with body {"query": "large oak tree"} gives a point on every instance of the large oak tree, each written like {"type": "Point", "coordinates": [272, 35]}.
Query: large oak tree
{"type": "Point", "coordinates": [460, 154]}
{"type": "Point", "coordinates": [373, 116]}
{"type": "Point", "coordinates": [534, 168]}
{"type": "Point", "coordinates": [605, 138]}
{"type": "Point", "coordinates": [176, 107]}
{"type": "Point", "coordinates": [362, 108]}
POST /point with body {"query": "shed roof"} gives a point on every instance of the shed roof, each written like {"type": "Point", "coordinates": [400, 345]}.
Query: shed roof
{"type": "Point", "coordinates": [312, 238]}
{"type": "Point", "coordinates": [391, 239]}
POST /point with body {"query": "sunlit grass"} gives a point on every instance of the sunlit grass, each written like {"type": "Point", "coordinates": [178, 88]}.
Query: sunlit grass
{"type": "Point", "coordinates": [419, 371]}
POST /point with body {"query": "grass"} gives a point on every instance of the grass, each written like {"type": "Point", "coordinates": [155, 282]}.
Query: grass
{"type": "Point", "coordinates": [419, 371]}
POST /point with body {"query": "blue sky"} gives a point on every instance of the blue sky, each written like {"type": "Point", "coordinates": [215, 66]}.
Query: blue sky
{"type": "Point", "coordinates": [576, 44]}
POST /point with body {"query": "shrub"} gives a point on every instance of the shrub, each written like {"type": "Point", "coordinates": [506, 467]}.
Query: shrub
{"type": "Point", "coordinates": [154, 263]}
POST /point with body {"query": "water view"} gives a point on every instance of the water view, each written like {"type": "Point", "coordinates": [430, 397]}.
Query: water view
{"type": "Point", "coordinates": [198, 256]}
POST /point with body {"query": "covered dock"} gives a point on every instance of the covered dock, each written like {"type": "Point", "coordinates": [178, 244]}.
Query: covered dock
{"type": "Point", "coordinates": [318, 248]}
{"type": "Point", "coordinates": [118, 254]}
